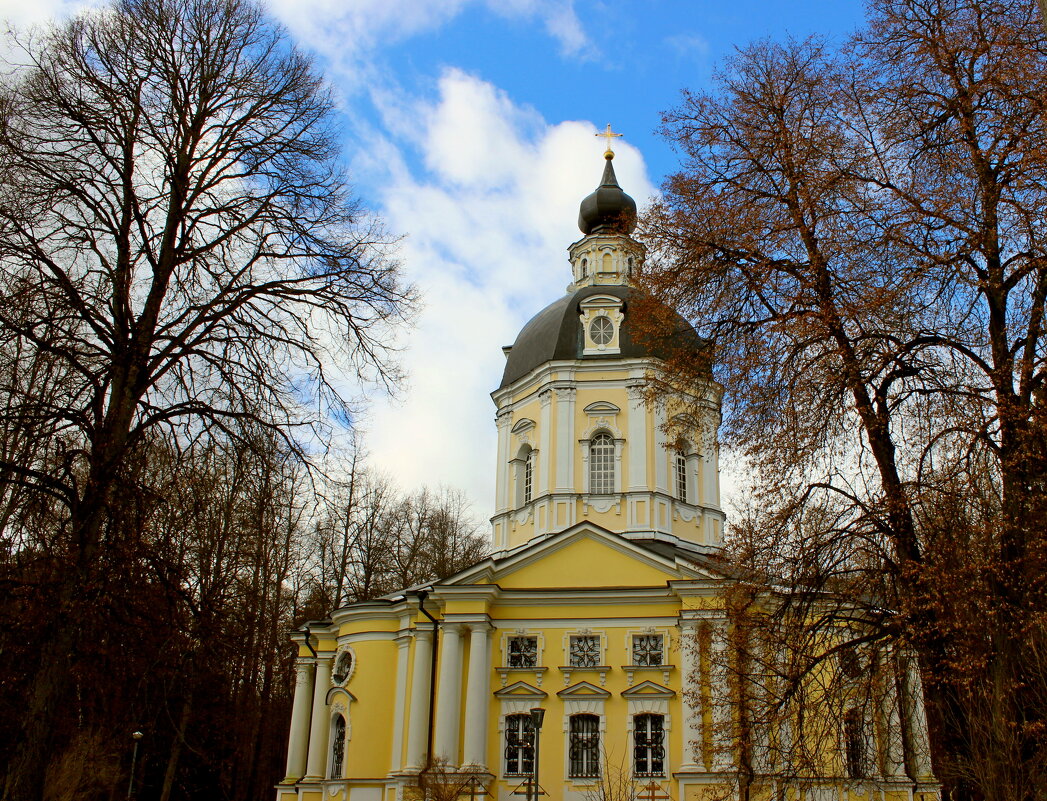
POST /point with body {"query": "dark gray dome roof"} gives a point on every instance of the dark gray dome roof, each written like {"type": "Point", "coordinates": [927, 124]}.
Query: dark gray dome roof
{"type": "Point", "coordinates": [555, 333]}
{"type": "Point", "coordinates": [608, 209]}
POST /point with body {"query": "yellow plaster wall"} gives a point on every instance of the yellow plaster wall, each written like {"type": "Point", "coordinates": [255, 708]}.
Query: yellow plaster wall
{"type": "Point", "coordinates": [373, 684]}
{"type": "Point", "coordinates": [586, 562]}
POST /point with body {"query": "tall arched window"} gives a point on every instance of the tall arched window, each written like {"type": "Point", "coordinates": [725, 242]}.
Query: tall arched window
{"type": "Point", "coordinates": [601, 464]}
{"type": "Point", "coordinates": [523, 465]}
{"type": "Point", "coordinates": [528, 488]}
{"type": "Point", "coordinates": [338, 749]}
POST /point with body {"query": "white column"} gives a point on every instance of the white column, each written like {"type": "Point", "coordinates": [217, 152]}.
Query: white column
{"type": "Point", "coordinates": [298, 738]}
{"type": "Point", "coordinates": [403, 643]}
{"type": "Point", "coordinates": [637, 433]}
{"type": "Point", "coordinates": [501, 489]}
{"type": "Point", "coordinates": [476, 697]}
{"type": "Point", "coordinates": [565, 439]}
{"type": "Point", "coordinates": [418, 719]}
{"type": "Point", "coordinates": [449, 697]}
{"type": "Point", "coordinates": [916, 720]}
{"type": "Point", "coordinates": [321, 725]}
{"type": "Point", "coordinates": [691, 695]}
{"type": "Point", "coordinates": [891, 724]}
{"type": "Point", "coordinates": [710, 459]}
{"type": "Point", "coordinates": [543, 482]}
{"type": "Point", "coordinates": [720, 696]}
{"type": "Point", "coordinates": [661, 453]}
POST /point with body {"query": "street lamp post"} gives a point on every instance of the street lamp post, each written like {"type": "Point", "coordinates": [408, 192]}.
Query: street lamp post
{"type": "Point", "coordinates": [136, 736]}
{"type": "Point", "coordinates": [537, 716]}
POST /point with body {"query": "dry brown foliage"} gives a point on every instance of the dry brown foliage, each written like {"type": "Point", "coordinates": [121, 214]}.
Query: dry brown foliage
{"type": "Point", "coordinates": [859, 233]}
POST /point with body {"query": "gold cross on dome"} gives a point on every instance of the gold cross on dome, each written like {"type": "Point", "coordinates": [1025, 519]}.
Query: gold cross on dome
{"type": "Point", "coordinates": [609, 135]}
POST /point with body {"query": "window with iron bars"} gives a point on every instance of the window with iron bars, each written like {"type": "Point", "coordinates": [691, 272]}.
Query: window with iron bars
{"type": "Point", "coordinates": [649, 745]}
{"type": "Point", "coordinates": [647, 649]}
{"type": "Point", "coordinates": [519, 745]}
{"type": "Point", "coordinates": [523, 652]}
{"type": "Point", "coordinates": [583, 751]}
{"type": "Point", "coordinates": [585, 650]}
{"type": "Point", "coordinates": [338, 749]}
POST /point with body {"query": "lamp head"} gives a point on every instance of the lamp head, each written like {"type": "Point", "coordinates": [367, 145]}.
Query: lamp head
{"type": "Point", "coordinates": [537, 716]}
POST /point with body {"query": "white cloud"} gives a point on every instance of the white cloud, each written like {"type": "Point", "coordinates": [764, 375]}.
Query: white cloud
{"type": "Point", "coordinates": [488, 227]}
{"type": "Point", "coordinates": [348, 33]}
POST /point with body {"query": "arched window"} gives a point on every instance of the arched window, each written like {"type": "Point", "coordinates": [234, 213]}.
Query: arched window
{"type": "Point", "coordinates": [519, 745]}
{"type": "Point", "coordinates": [524, 467]}
{"type": "Point", "coordinates": [584, 747]}
{"type": "Point", "coordinates": [528, 488]}
{"type": "Point", "coordinates": [601, 464]}
{"type": "Point", "coordinates": [338, 749]}
{"type": "Point", "coordinates": [649, 745]}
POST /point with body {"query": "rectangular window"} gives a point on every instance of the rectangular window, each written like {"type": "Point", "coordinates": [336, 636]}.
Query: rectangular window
{"type": "Point", "coordinates": [585, 650]}
{"type": "Point", "coordinates": [519, 745]}
{"type": "Point", "coordinates": [583, 750]}
{"type": "Point", "coordinates": [649, 745]}
{"type": "Point", "coordinates": [647, 649]}
{"type": "Point", "coordinates": [854, 743]}
{"type": "Point", "coordinates": [681, 477]}
{"type": "Point", "coordinates": [523, 652]}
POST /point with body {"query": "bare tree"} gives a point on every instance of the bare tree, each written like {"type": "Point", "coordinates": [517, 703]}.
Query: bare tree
{"type": "Point", "coordinates": [857, 233]}
{"type": "Point", "coordinates": [178, 237]}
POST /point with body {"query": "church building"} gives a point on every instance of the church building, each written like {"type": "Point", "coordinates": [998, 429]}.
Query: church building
{"type": "Point", "coordinates": [587, 643]}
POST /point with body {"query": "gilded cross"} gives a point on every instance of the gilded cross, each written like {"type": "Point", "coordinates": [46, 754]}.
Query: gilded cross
{"type": "Point", "coordinates": [609, 135]}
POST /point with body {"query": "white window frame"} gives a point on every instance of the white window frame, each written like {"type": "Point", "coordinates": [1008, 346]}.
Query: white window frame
{"type": "Point", "coordinates": [603, 478]}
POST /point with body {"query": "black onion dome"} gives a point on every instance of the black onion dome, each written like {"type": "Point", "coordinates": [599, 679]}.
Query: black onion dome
{"type": "Point", "coordinates": [555, 333]}
{"type": "Point", "coordinates": [608, 209]}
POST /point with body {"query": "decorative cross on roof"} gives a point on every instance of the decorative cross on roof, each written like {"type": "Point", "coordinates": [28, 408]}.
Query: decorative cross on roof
{"type": "Point", "coordinates": [609, 136]}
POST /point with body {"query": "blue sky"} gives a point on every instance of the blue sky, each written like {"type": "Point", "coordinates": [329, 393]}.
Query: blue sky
{"type": "Point", "coordinates": [469, 129]}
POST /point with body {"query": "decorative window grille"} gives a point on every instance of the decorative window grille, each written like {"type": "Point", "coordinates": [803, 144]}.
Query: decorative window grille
{"type": "Point", "coordinates": [583, 750]}
{"type": "Point", "coordinates": [519, 745]}
{"type": "Point", "coordinates": [649, 745]}
{"type": "Point", "coordinates": [528, 476]}
{"type": "Point", "coordinates": [342, 667]}
{"type": "Point", "coordinates": [647, 649]}
{"type": "Point", "coordinates": [850, 664]}
{"type": "Point", "coordinates": [338, 749]}
{"type": "Point", "coordinates": [601, 330]}
{"type": "Point", "coordinates": [681, 477]}
{"type": "Point", "coordinates": [523, 652]}
{"type": "Point", "coordinates": [585, 650]}
{"type": "Point", "coordinates": [601, 465]}
{"type": "Point", "coordinates": [854, 743]}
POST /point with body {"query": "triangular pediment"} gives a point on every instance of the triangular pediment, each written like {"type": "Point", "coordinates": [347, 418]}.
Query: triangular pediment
{"type": "Point", "coordinates": [583, 689]}
{"type": "Point", "coordinates": [588, 556]}
{"type": "Point", "coordinates": [520, 689]}
{"type": "Point", "coordinates": [648, 689]}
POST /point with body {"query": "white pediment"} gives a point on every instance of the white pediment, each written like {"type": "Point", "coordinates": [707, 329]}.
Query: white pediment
{"type": "Point", "coordinates": [583, 689]}
{"type": "Point", "coordinates": [520, 689]}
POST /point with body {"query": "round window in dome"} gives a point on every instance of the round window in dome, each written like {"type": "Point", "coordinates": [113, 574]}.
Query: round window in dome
{"type": "Point", "coordinates": [601, 330]}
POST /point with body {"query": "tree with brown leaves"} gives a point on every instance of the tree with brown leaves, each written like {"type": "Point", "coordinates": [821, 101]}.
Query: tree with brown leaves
{"type": "Point", "coordinates": [859, 233]}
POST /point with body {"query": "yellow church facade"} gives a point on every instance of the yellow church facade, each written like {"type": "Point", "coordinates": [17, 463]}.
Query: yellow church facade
{"type": "Point", "coordinates": [602, 603]}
